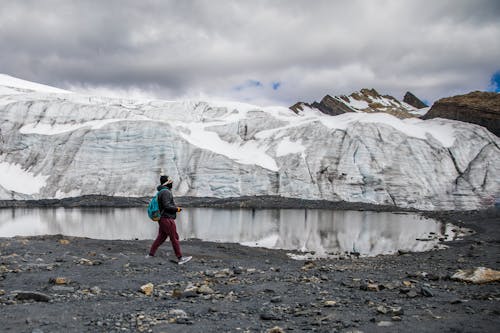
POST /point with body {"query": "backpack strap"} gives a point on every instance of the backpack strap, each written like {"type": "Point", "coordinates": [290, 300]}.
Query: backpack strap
{"type": "Point", "coordinates": [157, 197]}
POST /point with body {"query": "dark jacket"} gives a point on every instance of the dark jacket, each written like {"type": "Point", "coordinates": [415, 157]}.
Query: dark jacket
{"type": "Point", "coordinates": [166, 203]}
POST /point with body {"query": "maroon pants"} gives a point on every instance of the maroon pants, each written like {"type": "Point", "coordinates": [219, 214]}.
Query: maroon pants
{"type": "Point", "coordinates": [166, 229]}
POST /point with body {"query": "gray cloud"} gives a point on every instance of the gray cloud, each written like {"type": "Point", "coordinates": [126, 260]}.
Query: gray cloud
{"type": "Point", "coordinates": [178, 49]}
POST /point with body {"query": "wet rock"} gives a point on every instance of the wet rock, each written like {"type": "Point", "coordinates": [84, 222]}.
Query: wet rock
{"type": "Point", "coordinates": [412, 294]}
{"type": "Point", "coordinates": [32, 295]}
{"type": "Point", "coordinates": [147, 289]}
{"type": "Point", "coordinates": [477, 275]}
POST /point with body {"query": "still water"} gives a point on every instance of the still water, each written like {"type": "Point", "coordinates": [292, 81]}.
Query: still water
{"type": "Point", "coordinates": [322, 232]}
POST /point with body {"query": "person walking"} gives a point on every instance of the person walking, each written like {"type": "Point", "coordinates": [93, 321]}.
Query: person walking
{"type": "Point", "coordinates": [166, 224]}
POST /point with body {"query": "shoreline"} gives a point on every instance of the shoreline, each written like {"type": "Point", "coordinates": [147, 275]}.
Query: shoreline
{"type": "Point", "coordinates": [230, 287]}
{"type": "Point", "coordinates": [255, 202]}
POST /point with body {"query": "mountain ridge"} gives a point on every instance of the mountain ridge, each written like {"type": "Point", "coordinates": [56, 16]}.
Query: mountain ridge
{"type": "Point", "coordinates": [364, 100]}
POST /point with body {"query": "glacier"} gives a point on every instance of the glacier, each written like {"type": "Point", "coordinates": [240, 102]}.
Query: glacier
{"type": "Point", "coordinates": [57, 144]}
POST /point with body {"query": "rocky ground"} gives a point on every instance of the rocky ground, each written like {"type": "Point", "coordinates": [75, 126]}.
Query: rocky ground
{"type": "Point", "coordinates": [63, 284]}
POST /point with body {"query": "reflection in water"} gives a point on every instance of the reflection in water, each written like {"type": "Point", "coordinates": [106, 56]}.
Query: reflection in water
{"type": "Point", "coordinates": [324, 232]}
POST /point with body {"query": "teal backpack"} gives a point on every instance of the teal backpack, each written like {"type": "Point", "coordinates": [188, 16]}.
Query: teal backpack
{"type": "Point", "coordinates": [154, 209]}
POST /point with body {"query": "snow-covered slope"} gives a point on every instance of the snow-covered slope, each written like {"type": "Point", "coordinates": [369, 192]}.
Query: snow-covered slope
{"type": "Point", "coordinates": [62, 145]}
{"type": "Point", "coordinates": [13, 85]}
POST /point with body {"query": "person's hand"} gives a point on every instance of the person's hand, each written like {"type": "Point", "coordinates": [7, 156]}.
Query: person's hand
{"type": "Point", "coordinates": [179, 209]}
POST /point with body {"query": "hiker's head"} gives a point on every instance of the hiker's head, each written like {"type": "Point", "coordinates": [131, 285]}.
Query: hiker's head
{"type": "Point", "coordinates": [166, 181]}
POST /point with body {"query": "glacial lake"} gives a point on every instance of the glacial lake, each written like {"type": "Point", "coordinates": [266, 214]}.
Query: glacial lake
{"type": "Point", "coordinates": [306, 232]}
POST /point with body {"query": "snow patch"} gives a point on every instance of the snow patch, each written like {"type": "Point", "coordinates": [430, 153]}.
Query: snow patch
{"type": "Point", "coordinates": [440, 130]}
{"type": "Point", "coordinates": [14, 178]}
{"type": "Point", "coordinates": [286, 147]}
{"type": "Point", "coordinates": [357, 104]}
{"type": "Point", "coordinates": [248, 153]}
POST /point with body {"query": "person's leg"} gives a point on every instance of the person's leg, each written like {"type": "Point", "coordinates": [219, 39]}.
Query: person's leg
{"type": "Point", "coordinates": [162, 236]}
{"type": "Point", "coordinates": [174, 237]}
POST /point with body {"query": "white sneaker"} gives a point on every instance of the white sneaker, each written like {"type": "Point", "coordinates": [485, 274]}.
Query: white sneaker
{"type": "Point", "coordinates": [184, 260]}
{"type": "Point", "coordinates": [148, 256]}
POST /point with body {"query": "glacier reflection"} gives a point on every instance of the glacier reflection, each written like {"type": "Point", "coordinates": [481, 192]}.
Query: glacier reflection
{"type": "Point", "coordinates": [324, 232]}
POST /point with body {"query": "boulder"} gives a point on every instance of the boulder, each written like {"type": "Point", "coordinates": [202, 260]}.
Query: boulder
{"type": "Point", "coordinates": [477, 275]}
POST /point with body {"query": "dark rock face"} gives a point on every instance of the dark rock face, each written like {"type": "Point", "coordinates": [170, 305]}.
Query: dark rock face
{"type": "Point", "coordinates": [332, 106]}
{"type": "Point", "coordinates": [414, 101]}
{"type": "Point", "coordinates": [482, 108]}
{"type": "Point", "coordinates": [328, 105]}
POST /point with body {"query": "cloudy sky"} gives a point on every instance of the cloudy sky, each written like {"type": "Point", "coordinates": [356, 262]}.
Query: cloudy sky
{"type": "Point", "coordinates": [262, 52]}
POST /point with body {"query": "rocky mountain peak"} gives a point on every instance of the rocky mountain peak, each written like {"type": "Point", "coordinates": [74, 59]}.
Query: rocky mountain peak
{"type": "Point", "coordinates": [365, 100]}
{"type": "Point", "coordinates": [414, 101]}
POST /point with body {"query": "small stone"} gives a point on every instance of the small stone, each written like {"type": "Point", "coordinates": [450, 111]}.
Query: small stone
{"type": "Point", "coordinates": [86, 262]}
{"type": "Point", "coordinates": [184, 321]}
{"type": "Point", "coordinates": [308, 265]}
{"type": "Point", "coordinates": [238, 270]}
{"type": "Point", "coordinates": [2, 292]}
{"type": "Point", "coordinates": [177, 293]}
{"type": "Point", "coordinates": [276, 329]}
{"type": "Point", "coordinates": [64, 241]}
{"type": "Point", "coordinates": [178, 313]}
{"type": "Point", "coordinates": [95, 290]}
{"type": "Point", "coordinates": [382, 309]}
{"type": "Point", "coordinates": [396, 318]}
{"type": "Point", "coordinates": [384, 323]}
{"type": "Point", "coordinates": [61, 280]}
{"type": "Point", "coordinates": [407, 283]}
{"type": "Point", "coordinates": [372, 287]}
{"type": "Point", "coordinates": [329, 303]}
{"type": "Point", "coordinates": [397, 311]}
{"type": "Point", "coordinates": [147, 289]}
{"type": "Point", "coordinates": [426, 292]}
{"type": "Point", "coordinates": [412, 294]}
{"type": "Point", "coordinates": [205, 290]}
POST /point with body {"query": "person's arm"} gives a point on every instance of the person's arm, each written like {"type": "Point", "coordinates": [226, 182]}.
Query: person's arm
{"type": "Point", "coordinates": [167, 202]}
